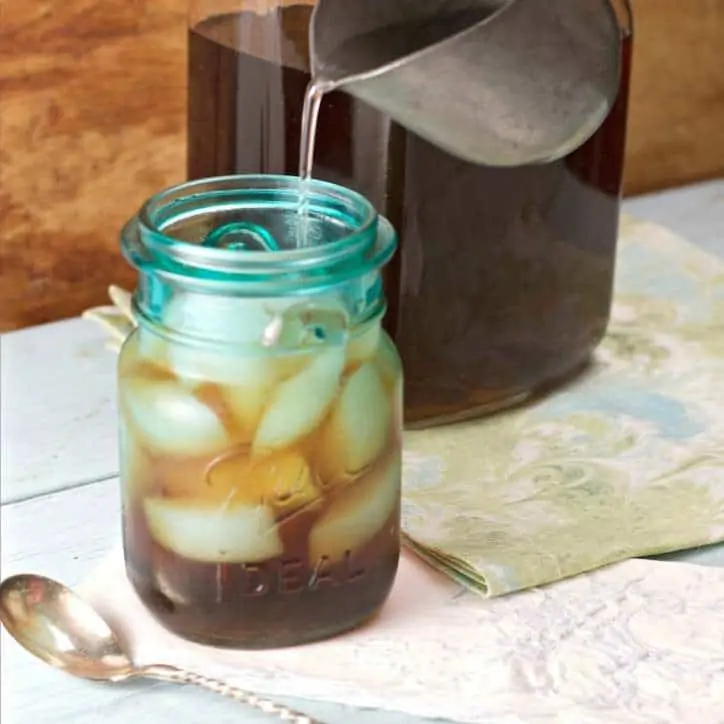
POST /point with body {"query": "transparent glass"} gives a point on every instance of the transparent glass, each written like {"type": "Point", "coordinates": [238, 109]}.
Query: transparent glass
{"type": "Point", "coordinates": [504, 280]}
{"type": "Point", "coordinates": [260, 413]}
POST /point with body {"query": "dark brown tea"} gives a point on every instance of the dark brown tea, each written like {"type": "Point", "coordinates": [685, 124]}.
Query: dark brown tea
{"type": "Point", "coordinates": [268, 604]}
{"type": "Point", "coordinates": [504, 278]}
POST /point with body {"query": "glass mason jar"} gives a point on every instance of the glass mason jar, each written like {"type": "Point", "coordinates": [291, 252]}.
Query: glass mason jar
{"type": "Point", "coordinates": [504, 280]}
{"type": "Point", "coordinates": [260, 412]}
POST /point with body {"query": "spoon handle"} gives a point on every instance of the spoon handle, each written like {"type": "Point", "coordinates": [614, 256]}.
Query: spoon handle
{"type": "Point", "coordinates": [179, 676]}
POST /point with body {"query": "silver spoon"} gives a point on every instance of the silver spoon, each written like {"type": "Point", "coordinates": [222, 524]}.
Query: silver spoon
{"type": "Point", "coordinates": [60, 628]}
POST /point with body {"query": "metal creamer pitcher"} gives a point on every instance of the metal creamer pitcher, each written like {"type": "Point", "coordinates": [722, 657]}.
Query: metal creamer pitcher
{"type": "Point", "coordinates": [494, 82]}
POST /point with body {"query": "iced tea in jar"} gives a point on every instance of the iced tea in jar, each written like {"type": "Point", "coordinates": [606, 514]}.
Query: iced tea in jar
{"type": "Point", "coordinates": [260, 411]}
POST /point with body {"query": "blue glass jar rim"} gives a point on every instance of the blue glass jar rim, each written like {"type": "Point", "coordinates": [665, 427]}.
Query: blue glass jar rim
{"type": "Point", "coordinates": [148, 246]}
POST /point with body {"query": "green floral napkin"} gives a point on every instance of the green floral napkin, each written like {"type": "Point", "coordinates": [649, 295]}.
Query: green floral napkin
{"type": "Point", "coordinates": [627, 461]}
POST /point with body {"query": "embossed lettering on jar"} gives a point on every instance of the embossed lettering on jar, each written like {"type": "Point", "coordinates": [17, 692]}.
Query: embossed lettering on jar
{"type": "Point", "coordinates": [260, 413]}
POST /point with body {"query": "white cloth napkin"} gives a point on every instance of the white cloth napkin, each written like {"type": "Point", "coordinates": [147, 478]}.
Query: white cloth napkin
{"type": "Point", "coordinates": [637, 642]}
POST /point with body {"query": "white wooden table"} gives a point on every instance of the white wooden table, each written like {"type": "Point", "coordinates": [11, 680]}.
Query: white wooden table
{"type": "Point", "coordinates": [60, 502]}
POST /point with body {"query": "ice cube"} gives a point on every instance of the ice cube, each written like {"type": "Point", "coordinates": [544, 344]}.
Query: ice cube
{"type": "Point", "coordinates": [247, 402]}
{"type": "Point", "coordinates": [388, 362]}
{"type": "Point", "coordinates": [215, 533]}
{"type": "Point", "coordinates": [216, 317]}
{"type": "Point", "coordinates": [152, 347]}
{"type": "Point", "coordinates": [246, 405]}
{"type": "Point", "coordinates": [170, 420]}
{"type": "Point", "coordinates": [198, 365]}
{"type": "Point", "coordinates": [358, 513]}
{"type": "Point", "coordinates": [313, 324]}
{"type": "Point", "coordinates": [268, 334]}
{"type": "Point", "coordinates": [135, 465]}
{"type": "Point", "coordinates": [363, 346]}
{"type": "Point", "coordinates": [284, 482]}
{"type": "Point", "coordinates": [299, 405]}
{"type": "Point", "coordinates": [358, 428]}
{"type": "Point", "coordinates": [291, 342]}
{"type": "Point", "coordinates": [230, 321]}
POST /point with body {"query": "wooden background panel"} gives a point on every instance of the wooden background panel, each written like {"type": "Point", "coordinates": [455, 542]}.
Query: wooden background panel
{"type": "Point", "coordinates": [92, 105]}
{"type": "Point", "coordinates": [676, 129]}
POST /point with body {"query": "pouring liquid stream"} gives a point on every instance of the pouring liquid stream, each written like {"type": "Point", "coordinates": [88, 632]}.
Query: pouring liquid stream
{"type": "Point", "coordinates": [313, 98]}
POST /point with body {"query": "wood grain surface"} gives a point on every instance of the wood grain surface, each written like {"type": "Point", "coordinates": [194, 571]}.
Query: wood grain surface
{"type": "Point", "coordinates": [92, 121]}
{"type": "Point", "coordinates": [92, 107]}
{"type": "Point", "coordinates": [676, 129]}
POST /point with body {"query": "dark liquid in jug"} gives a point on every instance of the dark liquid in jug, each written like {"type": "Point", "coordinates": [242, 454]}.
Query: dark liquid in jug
{"type": "Point", "coordinates": [504, 279]}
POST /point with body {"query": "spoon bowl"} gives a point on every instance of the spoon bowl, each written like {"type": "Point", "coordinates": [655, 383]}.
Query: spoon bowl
{"type": "Point", "coordinates": [57, 626]}
{"type": "Point", "coordinates": [60, 628]}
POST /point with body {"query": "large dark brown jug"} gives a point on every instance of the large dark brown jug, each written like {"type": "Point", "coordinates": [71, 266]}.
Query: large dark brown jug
{"type": "Point", "coordinates": [504, 280]}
